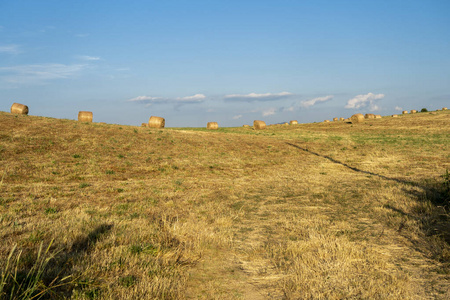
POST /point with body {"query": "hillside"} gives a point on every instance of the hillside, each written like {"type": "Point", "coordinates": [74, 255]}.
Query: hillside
{"type": "Point", "coordinates": [308, 211]}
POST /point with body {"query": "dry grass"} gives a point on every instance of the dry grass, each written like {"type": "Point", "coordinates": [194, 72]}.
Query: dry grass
{"type": "Point", "coordinates": [337, 210]}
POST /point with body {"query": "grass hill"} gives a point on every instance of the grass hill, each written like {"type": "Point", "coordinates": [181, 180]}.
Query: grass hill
{"type": "Point", "coordinates": [309, 211]}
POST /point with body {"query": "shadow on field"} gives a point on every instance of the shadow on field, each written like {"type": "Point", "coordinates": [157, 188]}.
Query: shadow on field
{"type": "Point", "coordinates": [431, 209]}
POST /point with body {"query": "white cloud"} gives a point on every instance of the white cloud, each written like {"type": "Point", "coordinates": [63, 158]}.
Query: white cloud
{"type": "Point", "coordinates": [197, 98]}
{"type": "Point", "coordinates": [88, 58]}
{"type": "Point", "coordinates": [38, 74]}
{"type": "Point", "coordinates": [398, 108]}
{"type": "Point", "coordinates": [257, 97]}
{"type": "Point", "coordinates": [269, 112]}
{"type": "Point", "coordinates": [237, 117]}
{"type": "Point", "coordinates": [194, 98]}
{"type": "Point", "coordinates": [364, 100]}
{"type": "Point", "coordinates": [10, 49]}
{"type": "Point", "coordinates": [82, 35]}
{"type": "Point", "coordinates": [312, 102]}
{"type": "Point", "coordinates": [289, 108]}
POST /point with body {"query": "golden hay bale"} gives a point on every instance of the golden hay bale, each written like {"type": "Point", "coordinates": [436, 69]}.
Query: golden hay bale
{"type": "Point", "coordinates": [326, 121]}
{"type": "Point", "coordinates": [405, 112]}
{"type": "Point", "coordinates": [286, 123]}
{"type": "Point", "coordinates": [293, 122]}
{"type": "Point", "coordinates": [20, 109]}
{"type": "Point", "coordinates": [335, 119]}
{"type": "Point", "coordinates": [377, 116]}
{"type": "Point", "coordinates": [144, 125]}
{"type": "Point", "coordinates": [444, 108]}
{"type": "Point", "coordinates": [341, 119]}
{"type": "Point", "coordinates": [85, 116]}
{"type": "Point", "coordinates": [395, 116]}
{"type": "Point", "coordinates": [357, 118]}
{"type": "Point", "coordinates": [258, 125]}
{"type": "Point", "coordinates": [369, 116]}
{"type": "Point", "coordinates": [156, 122]}
{"type": "Point", "coordinates": [413, 111]}
{"type": "Point", "coordinates": [212, 125]}
{"type": "Point", "coordinates": [246, 126]}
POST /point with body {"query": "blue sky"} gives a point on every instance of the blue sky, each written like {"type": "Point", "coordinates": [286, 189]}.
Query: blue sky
{"type": "Point", "coordinates": [232, 62]}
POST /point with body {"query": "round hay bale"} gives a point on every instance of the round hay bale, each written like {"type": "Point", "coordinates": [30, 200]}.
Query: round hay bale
{"type": "Point", "coordinates": [357, 118]}
{"type": "Point", "coordinates": [286, 123]}
{"type": "Point", "coordinates": [335, 119]}
{"type": "Point", "coordinates": [413, 111]}
{"type": "Point", "coordinates": [405, 112]}
{"type": "Point", "coordinates": [144, 125]}
{"type": "Point", "coordinates": [20, 109]}
{"type": "Point", "coordinates": [293, 122]}
{"type": "Point", "coordinates": [341, 119]}
{"type": "Point", "coordinates": [369, 116]}
{"type": "Point", "coordinates": [85, 116]}
{"type": "Point", "coordinates": [246, 126]}
{"type": "Point", "coordinates": [156, 122]}
{"type": "Point", "coordinates": [258, 125]}
{"type": "Point", "coordinates": [395, 116]}
{"type": "Point", "coordinates": [212, 125]}
{"type": "Point", "coordinates": [444, 108]}
{"type": "Point", "coordinates": [377, 116]}
{"type": "Point", "coordinates": [326, 121]}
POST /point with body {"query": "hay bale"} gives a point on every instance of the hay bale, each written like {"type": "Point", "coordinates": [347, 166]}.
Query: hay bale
{"type": "Point", "coordinates": [246, 126]}
{"type": "Point", "coordinates": [369, 116]}
{"type": "Point", "coordinates": [286, 123]}
{"type": "Point", "coordinates": [341, 119]}
{"type": "Point", "coordinates": [357, 118]}
{"type": "Point", "coordinates": [293, 122]}
{"type": "Point", "coordinates": [413, 111]}
{"type": "Point", "coordinates": [156, 122]}
{"type": "Point", "coordinates": [444, 108]}
{"type": "Point", "coordinates": [395, 116]}
{"type": "Point", "coordinates": [85, 116]}
{"type": "Point", "coordinates": [258, 125]}
{"type": "Point", "coordinates": [335, 119]}
{"type": "Point", "coordinates": [405, 112]}
{"type": "Point", "coordinates": [212, 125]}
{"type": "Point", "coordinates": [326, 121]}
{"type": "Point", "coordinates": [377, 116]}
{"type": "Point", "coordinates": [144, 125]}
{"type": "Point", "coordinates": [20, 109]}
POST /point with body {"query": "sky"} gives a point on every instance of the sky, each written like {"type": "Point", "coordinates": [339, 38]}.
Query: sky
{"type": "Point", "coordinates": [231, 62]}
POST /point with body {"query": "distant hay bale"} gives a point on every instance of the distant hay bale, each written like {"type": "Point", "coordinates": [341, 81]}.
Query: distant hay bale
{"type": "Point", "coordinates": [258, 125]}
{"type": "Point", "coordinates": [444, 108]}
{"type": "Point", "coordinates": [335, 119]}
{"type": "Point", "coordinates": [377, 116]}
{"type": "Point", "coordinates": [20, 109]}
{"type": "Point", "coordinates": [246, 126]}
{"type": "Point", "coordinates": [357, 118]}
{"type": "Point", "coordinates": [341, 119]}
{"type": "Point", "coordinates": [144, 125]}
{"type": "Point", "coordinates": [85, 116]}
{"type": "Point", "coordinates": [212, 125]}
{"type": "Point", "coordinates": [326, 121]}
{"type": "Point", "coordinates": [286, 123]}
{"type": "Point", "coordinates": [156, 122]}
{"type": "Point", "coordinates": [405, 112]}
{"type": "Point", "coordinates": [413, 111]}
{"type": "Point", "coordinates": [369, 116]}
{"type": "Point", "coordinates": [395, 116]}
{"type": "Point", "coordinates": [293, 122]}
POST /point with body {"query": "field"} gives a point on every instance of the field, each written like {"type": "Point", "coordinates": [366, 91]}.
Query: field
{"type": "Point", "coordinates": [309, 211]}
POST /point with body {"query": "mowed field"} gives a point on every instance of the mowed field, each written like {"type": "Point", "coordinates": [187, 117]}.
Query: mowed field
{"type": "Point", "coordinates": [309, 211]}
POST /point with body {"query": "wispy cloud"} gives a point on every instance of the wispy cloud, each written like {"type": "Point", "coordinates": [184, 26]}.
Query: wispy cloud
{"type": "Point", "coordinates": [148, 100]}
{"type": "Point", "coordinates": [10, 49]}
{"type": "Point", "coordinates": [257, 97]}
{"type": "Point", "coordinates": [398, 108]}
{"type": "Point", "coordinates": [88, 58]}
{"type": "Point", "coordinates": [269, 112]}
{"type": "Point", "coordinates": [364, 100]}
{"type": "Point", "coordinates": [312, 102]}
{"type": "Point", "coordinates": [38, 74]}
{"type": "Point", "coordinates": [237, 117]}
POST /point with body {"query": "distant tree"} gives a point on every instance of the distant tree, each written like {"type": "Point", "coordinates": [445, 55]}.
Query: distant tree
{"type": "Point", "coordinates": [424, 110]}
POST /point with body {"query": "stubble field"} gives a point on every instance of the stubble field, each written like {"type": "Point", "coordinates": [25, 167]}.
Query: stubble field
{"type": "Point", "coordinates": [308, 211]}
